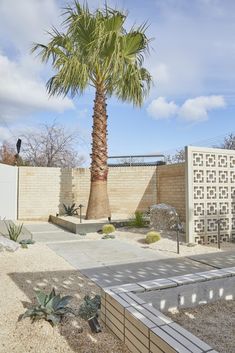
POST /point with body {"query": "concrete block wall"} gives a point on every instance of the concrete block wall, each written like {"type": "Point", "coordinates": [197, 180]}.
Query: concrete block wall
{"type": "Point", "coordinates": [171, 187]}
{"type": "Point", "coordinates": [42, 191]}
{"type": "Point", "coordinates": [132, 188]}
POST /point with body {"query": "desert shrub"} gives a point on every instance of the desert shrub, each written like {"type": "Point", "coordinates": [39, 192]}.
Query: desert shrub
{"type": "Point", "coordinates": [152, 237]}
{"type": "Point", "coordinates": [108, 228]}
{"type": "Point", "coordinates": [90, 307]}
{"type": "Point", "coordinates": [138, 220]}
{"type": "Point", "coordinates": [70, 210]}
{"type": "Point", "coordinates": [13, 230]}
{"type": "Point", "coordinates": [51, 307]}
{"type": "Point", "coordinates": [27, 242]}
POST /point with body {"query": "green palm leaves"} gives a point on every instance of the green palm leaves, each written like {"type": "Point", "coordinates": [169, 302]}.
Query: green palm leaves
{"type": "Point", "coordinates": [95, 49]}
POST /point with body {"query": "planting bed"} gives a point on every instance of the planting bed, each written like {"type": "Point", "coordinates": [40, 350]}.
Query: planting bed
{"type": "Point", "coordinates": [213, 323]}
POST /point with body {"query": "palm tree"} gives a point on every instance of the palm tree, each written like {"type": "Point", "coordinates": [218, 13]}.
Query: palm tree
{"type": "Point", "coordinates": [96, 50]}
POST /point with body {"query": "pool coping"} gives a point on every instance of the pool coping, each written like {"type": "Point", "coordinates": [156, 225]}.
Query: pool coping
{"type": "Point", "coordinates": [145, 329]}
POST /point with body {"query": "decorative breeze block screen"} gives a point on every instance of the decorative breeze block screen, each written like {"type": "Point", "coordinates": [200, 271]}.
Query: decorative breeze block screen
{"type": "Point", "coordinates": [210, 194]}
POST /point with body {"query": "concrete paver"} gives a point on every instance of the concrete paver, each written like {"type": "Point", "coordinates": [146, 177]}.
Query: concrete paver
{"type": "Point", "coordinates": [86, 254]}
{"type": "Point", "coordinates": [113, 262]}
{"type": "Point", "coordinates": [217, 260]}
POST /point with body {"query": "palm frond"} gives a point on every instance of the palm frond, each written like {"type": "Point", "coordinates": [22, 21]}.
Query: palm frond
{"type": "Point", "coordinates": [96, 49]}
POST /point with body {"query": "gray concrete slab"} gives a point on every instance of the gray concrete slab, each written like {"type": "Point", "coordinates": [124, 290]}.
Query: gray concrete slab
{"type": "Point", "coordinates": [217, 260]}
{"type": "Point", "coordinates": [45, 232]}
{"type": "Point", "coordinates": [86, 254]}
{"type": "Point", "coordinates": [113, 262]}
{"type": "Point", "coordinates": [52, 237]}
{"type": "Point", "coordinates": [42, 227]}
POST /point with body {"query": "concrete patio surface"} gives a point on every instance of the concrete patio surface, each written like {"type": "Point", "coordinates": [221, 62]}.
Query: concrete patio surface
{"type": "Point", "coordinates": [45, 232]}
{"type": "Point", "coordinates": [217, 260]}
{"type": "Point", "coordinates": [113, 262]}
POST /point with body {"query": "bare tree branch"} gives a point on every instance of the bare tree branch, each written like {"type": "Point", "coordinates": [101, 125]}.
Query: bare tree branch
{"type": "Point", "coordinates": [51, 145]}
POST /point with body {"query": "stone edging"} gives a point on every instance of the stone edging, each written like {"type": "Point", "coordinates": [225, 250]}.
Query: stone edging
{"type": "Point", "coordinates": [145, 329]}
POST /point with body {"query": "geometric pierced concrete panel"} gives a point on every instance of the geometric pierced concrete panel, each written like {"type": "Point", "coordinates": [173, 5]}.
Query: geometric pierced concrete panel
{"type": "Point", "coordinates": [210, 194]}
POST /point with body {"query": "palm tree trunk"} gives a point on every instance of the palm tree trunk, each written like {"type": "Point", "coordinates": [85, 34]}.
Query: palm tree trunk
{"type": "Point", "coordinates": [98, 204]}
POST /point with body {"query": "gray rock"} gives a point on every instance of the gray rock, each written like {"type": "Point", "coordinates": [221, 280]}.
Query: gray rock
{"type": "Point", "coordinates": [8, 245]}
{"type": "Point", "coordinates": [164, 217]}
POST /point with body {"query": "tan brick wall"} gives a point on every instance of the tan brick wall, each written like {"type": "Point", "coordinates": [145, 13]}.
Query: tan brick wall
{"type": "Point", "coordinates": [42, 191]}
{"type": "Point", "coordinates": [132, 188]}
{"type": "Point", "coordinates": [171, 187]}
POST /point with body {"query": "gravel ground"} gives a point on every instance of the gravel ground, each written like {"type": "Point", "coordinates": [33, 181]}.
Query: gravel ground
{"type": "Point", "coordinates": [213, 323]}
{"type": "Point", "coordinates": [167, 244]}
{"type": "Point", "coordinates": [38, 267]}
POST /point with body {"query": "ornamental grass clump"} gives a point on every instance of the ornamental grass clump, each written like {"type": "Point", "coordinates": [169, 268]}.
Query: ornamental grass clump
{"type": "Point", "coordinates": [138, 221]}
{"type": "Point", "coordinates": [107, 230]}
{"type": "Point", "coordinates": [152, 237]}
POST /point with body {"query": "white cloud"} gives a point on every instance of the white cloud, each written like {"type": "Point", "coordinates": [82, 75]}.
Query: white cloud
{"type": "Point", "coordinates": [22, 92]}
{"type": "Point", "coordinates": [160, 73]}
{"type": "Point", "coordinates": [26, 21]}
{"type": "Point", "coordinates": [22, 76]}
{"type": "Point", "coordinates": [197, 109]}
{"type": "Point", "coordinates": [161, 109]}
{"type": "Point", "coordinates": [192, 110]}
{"type": "Point", "coordinates": [4, 134]}
{"type": "Point", "coordinates": [196, 64]}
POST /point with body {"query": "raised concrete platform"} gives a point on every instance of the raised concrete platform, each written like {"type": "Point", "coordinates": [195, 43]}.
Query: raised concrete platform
{"type": "Point", "coordinates": [73, 225]}
{"type": "Point", "coordinates": [47, 233]}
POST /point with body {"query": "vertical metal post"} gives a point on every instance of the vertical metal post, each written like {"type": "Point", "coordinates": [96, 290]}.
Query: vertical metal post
{"type": "Point", "coordinates": [80, 215]}
{"type": "Point", "coordinates": [80, 212]}
{"type": "Point", "coordinates": [177, 234]}
{"type": "Point", "coordinates": [178, 242]}
{"type": "Point", "coordinates": [218, 236]}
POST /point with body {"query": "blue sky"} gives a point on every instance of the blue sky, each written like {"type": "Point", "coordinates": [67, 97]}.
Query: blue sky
{"type": "Point", "coordinates": [192, 62]}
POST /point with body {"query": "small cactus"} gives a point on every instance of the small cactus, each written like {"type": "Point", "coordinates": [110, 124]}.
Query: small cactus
{"type": "Point", "coordinates": [152, 237]}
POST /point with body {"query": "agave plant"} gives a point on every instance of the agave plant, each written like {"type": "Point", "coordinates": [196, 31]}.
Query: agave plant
{"type": "Point", "coordinates": [71, 210]}
{"type": "Point", "coordinates": [51, 307]}
{"type": "Point", "coordinates": [13, 230]}
{"type": "Point", "coordinates": [89, 308]}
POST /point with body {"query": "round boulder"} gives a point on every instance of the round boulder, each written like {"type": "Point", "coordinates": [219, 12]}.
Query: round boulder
{"type": "Point", "coordinates": [164, 217]}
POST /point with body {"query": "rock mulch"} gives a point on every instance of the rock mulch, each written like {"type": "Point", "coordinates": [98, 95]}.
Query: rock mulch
{"type": "Point", "coordinates": [8, 245]}
{"type": "Point", "coordinates": [213, 323]}
{"type": "Point", "coordinates": [167, 245]}
{"type": "Point", "coordinates": [38, 267]}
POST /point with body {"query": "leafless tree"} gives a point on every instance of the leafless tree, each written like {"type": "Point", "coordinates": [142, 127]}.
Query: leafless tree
{"type": "Point", "coordinates": [7, 154]}
{"type": "Point", "coordinates": [50, 145]}
{"type": "Point", "coordinates": [178, 157]}
{"type": "Point", "coordinates": [228, 143]}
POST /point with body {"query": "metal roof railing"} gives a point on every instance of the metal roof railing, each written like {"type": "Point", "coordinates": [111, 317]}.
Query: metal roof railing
{"type": "Point", "coordinates": [137, 160]}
